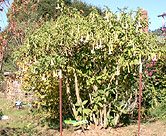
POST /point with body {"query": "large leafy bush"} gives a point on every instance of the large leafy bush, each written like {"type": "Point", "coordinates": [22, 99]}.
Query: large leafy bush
{"type": "Point", "coordinates": [99, 57]}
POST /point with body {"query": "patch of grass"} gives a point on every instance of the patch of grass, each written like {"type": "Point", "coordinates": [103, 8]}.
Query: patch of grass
{"type": "Point", "coordinates": [3, 101]}
{"type": "Point", "coordinates": [20, 121]}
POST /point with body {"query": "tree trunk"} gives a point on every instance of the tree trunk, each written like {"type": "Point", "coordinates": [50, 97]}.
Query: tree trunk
{"type": "Point", "coordinates": [76, 87]}
{"type": "Point", "coordinates": [101, 118]}
{"type": "Point", "coordinates": [105, 113]}
{"type": "Point", "coordinates": [69, 96]}
{"type": "Point", "coordinates": [117, 119]}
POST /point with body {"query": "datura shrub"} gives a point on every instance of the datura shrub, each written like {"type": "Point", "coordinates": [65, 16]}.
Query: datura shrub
{"type": "Point", "coordinates": [99, 56]}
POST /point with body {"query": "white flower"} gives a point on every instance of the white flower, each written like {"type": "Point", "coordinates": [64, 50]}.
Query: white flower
{"type": "Point", "coordinates": [97, 47]}
{"type": "Point", "coordinates": [110, 52]}
{"type": "Point", "coordinates": [52, 63]}
{"type": "Point", "coordinates": [58, 7]}
{"type": "Point", "coordinates": [87, 38]}
{"type": "Point", "coordinates": [118, 71]}
{"type": "Point", "coordinates": [43, 78]}
{"type": "Point", "coordinates": [23, 69]}
{"type": "Point", "coordinates": [92, 51]}
{"type": "Point", "coordinates": [100, 45]}
{"type": "Point", "coordinates": [81, 39]}
{"type": "Point", "coordinates": [33, 88]}
{"type": "Point", "coordinates": [54, 74]}
{"type": "Point", "coordinates": [155, 58]}
{"type": "Point", "coordinates": [111, 24]}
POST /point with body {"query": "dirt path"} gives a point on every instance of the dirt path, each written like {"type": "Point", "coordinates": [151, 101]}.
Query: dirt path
{"type": "Point", "coordinates": [157, 128]}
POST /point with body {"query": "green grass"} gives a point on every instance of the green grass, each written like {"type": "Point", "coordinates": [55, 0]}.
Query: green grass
{"type": "Point", "coordinates": [3, 102]}
{"type": "Point", "coordinates": [20, 121]}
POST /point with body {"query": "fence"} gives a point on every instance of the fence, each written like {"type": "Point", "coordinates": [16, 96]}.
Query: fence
{"type": "Point", "coordinates": [11, 90]}
{"type": "Point", "coordinates": [2, 86]}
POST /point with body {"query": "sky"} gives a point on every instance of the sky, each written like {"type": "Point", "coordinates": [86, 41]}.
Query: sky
{"type": "Point", "coordinates": [154, 8]}
{"type": "Point", "coordinates": [3, 18]}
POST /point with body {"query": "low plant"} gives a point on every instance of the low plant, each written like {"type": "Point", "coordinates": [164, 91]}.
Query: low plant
{"type": "Point", "coordinates": [1, 113]}
{"type": "Point", "coordinates": [159, 111]}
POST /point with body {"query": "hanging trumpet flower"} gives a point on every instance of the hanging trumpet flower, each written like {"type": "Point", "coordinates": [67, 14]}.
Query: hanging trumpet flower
{"type": "Point", "coordinates": [93, 50]}
{"type": "Point", "coordinates": [97, 46]}
{"type": "Point", "coordinates": [61, 42]}
{"type": "Point", "coordinates": [81, 40]}
{"type": "Point", "coordinates": [43, 78]}
{"type": "Point", "coordinates": [133, 47]}
{"type": "Point", "coordinates": [118, 71]}
{"type": "Point", "coordinates": [23, 70]}
{"type": "Point", "coordinates": [100, 45]}
{"type": "Point", "coordinates": [155, 58]}
{"type": "Point", "coordinates": [111, 24]}
{"type": "Point", "coordinates": [128, 68]}
{"type": "Point", "coordinates": [58, 7]}
{"type": "Point", "coordinates": [33, 88]}
{"type": "Point", "coordinates": [107, 16]}
{"type": "Point", "coordinates": [110, 52]}
{"type": "Point", "coordinates": [130, 43]}
{"type": "Point", "coordinates": [55, 74]}
{"type": "Point", "coordinates": [87, 38]}
{"type": "Point", "coordinates": [52, 63]}
{"type": "Point", "coordinates": [116, 36]}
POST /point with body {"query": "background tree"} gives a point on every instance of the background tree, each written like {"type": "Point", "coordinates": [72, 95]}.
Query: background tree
{"type": "Point", "coordinates": [31, 14]}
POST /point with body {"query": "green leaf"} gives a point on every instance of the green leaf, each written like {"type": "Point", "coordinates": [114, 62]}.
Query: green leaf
{"type": "Point", "coordinates": [100, 104]}
{"type": "Point", "coordinates": [80, 109]}
{"type": "Point", "coordinates": [95, 108]}
{"type": "Point", "coordinates": [87, 111]}
{"type": "Point", "coordinates": [77, 104]}
{"type": "Point", "coordinates": [84, 102]}
{"type": "Point", "coordinates": [136, 61]}
{"type": "Point", "coordinates": [76, 113]}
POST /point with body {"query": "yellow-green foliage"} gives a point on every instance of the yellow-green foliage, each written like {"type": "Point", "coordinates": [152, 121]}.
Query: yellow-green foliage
{"type": "Point", "coordinates": [99, 57]}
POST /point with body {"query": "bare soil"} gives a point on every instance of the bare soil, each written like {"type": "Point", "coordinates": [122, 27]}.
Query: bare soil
{"type": "Point", "coordinates": [18, 119]}
{"type": "Point", "coordinates": [156, 128]}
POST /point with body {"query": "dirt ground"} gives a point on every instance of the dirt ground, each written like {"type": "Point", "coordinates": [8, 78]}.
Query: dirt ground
{"type": "Point", "coordinates": [157, 128]}
{"type": "Point", "coordinates": [18, 119]}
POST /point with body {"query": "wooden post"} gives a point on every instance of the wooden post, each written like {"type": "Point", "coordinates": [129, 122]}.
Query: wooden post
{"type": "Point", "coordinates": [60, 99]}
{"type": "Point", "coordinates": [140, 93]}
